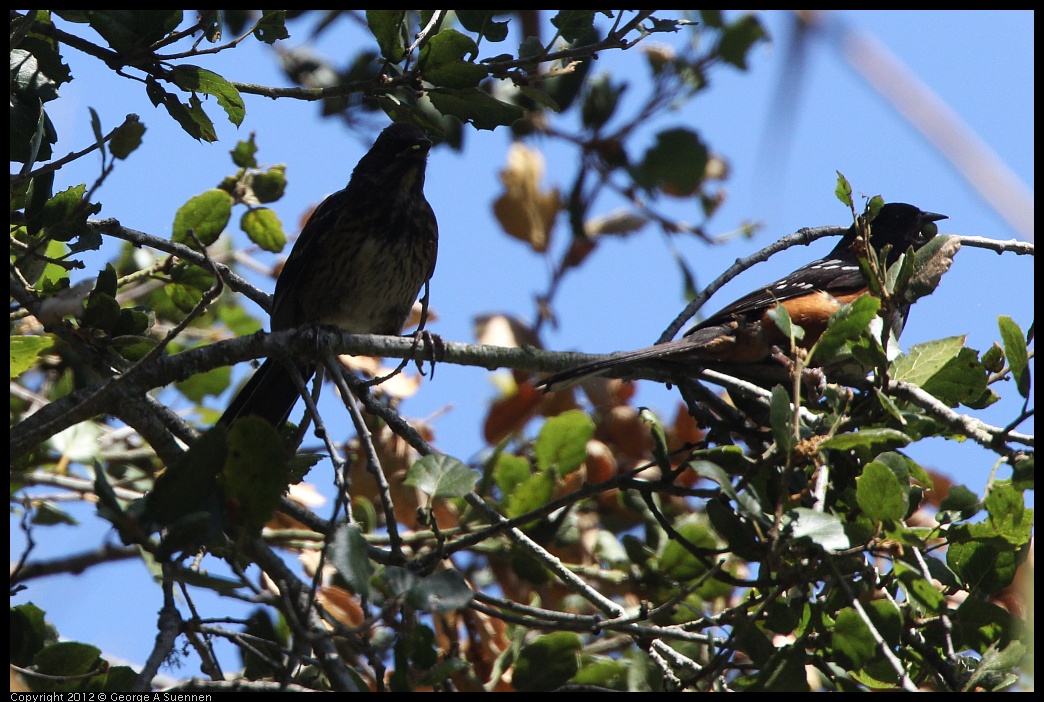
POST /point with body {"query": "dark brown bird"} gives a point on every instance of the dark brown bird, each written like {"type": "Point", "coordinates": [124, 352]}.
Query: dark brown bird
{"type": "Point", "coordinates": [743, 333]}
{"type": "Point", "coordinates": [359, 263]}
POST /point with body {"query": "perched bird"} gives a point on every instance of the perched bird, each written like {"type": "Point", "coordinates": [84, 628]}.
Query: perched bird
{"type": "Point", "coordinates": [359, 263]}
{"type": "Point", "coordinates": [744, 333]}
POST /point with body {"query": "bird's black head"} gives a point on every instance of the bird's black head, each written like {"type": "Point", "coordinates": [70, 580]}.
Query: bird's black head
{"type": "Point", "coordinates": [901, 226]}
{"type": "Point", "coordinates": [400, 150]}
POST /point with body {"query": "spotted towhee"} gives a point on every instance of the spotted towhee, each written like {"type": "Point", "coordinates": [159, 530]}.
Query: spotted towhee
{"type": "Point", "coordinates": [744, 333]}
{"type": "Point", "coordinates": [359, 263]}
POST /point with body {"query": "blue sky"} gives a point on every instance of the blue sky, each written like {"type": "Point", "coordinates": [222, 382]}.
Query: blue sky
{"type": "Point", "coordinates": [978, 64]}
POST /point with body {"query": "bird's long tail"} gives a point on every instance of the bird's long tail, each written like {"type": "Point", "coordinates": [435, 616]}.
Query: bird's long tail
{"type": "Point", "coordinates": [270, 393]}
{"type": "Point", "coordinates": [674, 350]}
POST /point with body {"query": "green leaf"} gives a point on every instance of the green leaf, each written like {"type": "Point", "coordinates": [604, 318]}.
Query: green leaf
{"type": "Point", "coordinates": [1015, 349]}
{"type": "Point", "coordinates": [738, 38]}
{"type": "Point", "coordinates": [573, 24]}
{"type": "Point", "coordinates": [923, 361]}
{"type": "Point", "coordinates": [873, 206]}
{"type": "Point", "coordinates": [960, 503]}
{"type": "Point", "coordinates": [676, 165]}
{"type": "Point", "coordinates": [193, 276]}
{"type": "Point", "coordinates": [475, 106]}
{"type": "Point", "coordinates": [264, 637]}
{"type": "Point", "coordinates": [994, 671]}
{"type": "Point", "coordinates": [482, 23]}
{"type": "Point", "coordinates": [532, 47]}
{"type": "Point", "coordinates": [46, 50]}
{"type": "Point", "coordinates": [562, 442]}
{"type": "Point", "coordinates": [1008, 514]}
{"type": "Point", "coordinates": [109, 507]}
{"type": "Point", "coordinates": [263, 227]}
{"type": "Point", "coordinates": [46, 514]}
{"type": "Point", "coordinates": [729, 458]}
{"type": "Point", "coordinates": [887, 619]}
{"type": "Point", "coordinates": [254, 475]}
{"type": "Point", "coordinates": [843, 191]}
{"type": "Point", "coordinates": [447, 60]}
{"type": "Point", "coordinates": [445, 591]}
{"type": "Point", "coordinates": [868, 442]}
{"type": "Point", "coordinates": [600, 101]}
{"type": "Point", "coordinates": [847, 324]}
{"type": "Point", "coordinates": [244, 155]}
{"type": "Point", "coordinates": [748, 504]}
{"type": "Point", "coordinates": [196, 79]}
{"type": "Point", "coordinates": [238, 320]}
{"type": "Point", "coordinates": [102, 311]}
{"type": "Point", "coordinates": [688, 279]}
{"type": "Point", "coordinates": [439, 475]}
{"type": "Point", "coordinates": [532, 493]}
{"type": "Point", "coordinates": [188, 284]}
{"type": "Point", "coordinates": [272, 26]}
{"type": "Point", "coordinates": [78, 443]}
{"type": "Point", "coordinates": [29, 633]}
{"type": "Point", "coordinates": [826, 530]}
{"type": "Point", "coordinates": [206, 215]}
{"type": "Point", "coordinates": [679, 562]}
{"type": "Point", "coordinates": [190, 116]}
{"type": "Point", "coordinates": [660, 450]}
{"type": "Point", "coordinates": [781, 417]}
{"type": "Point", "coordinates": [993, 358]}
{"type": "Point", "coordinates": [134, 320]}
{"type": "Point", "coordinates": [919, 590]}
{"type": "Point", "coordinates": [781, 317]}
{"type": "Point", "coordinates": [184, 297]}
{"type": "Point", "coordinates": [563, 88]}
{"type": "Point", "coordinates": [547, 662]}
{"type": "Point", "coordinates": [209, 383]}
{"type": "Point", "coordinates": [739, 534]}
{"type": "Point", "coordinates": [980, 625]}
{"type": "Point", "coordinates": [929, 264]}
{"type": "Point", "coordinates": [537, 95]}
{"type": "Point", "coordinates": [107, 282]}
{"type": "Point", "coordinates": [962, 380]}
{"type": "Point", "coordinates": [985, 562]}
{"type": "Point", "coordinates": [270, 185]}
{"type": "Point", "coordinates": [602, 672]}
{"type": "Point", "coordinates": [190, 484]}
{"type": "Point", "coordinates": [880, 493]}
{"type": "Point", "coordinates": [64, 216]}
{"type": "Point", "coordinates": [38, 192]}
{"type": "Point", "coordinates": [898, 275]}
{"type": "Point", "coordinates": [202, 579]}
{"type": "Point", "coordinates": [348, 557]}
{"type": "Point", "coordinates": [25, 350]}
{"type": "Point", "coordinates": [783, 672]}
{"type": "Point", "coordinates": [889, 406]}
{"type": "Point", "coordinates": [398, 581]}
{"type": "Point", "coordinates": [26, 76]}
{"type": "Point", "coordinates": [386, 27]}
{"type": "Point", "coordinates": [510, 471]}
{"type": "Point", "coordinates": [853, 643]}
{"type": "Point", "coordinates": [661, 26]}
{"type": "Point", "coordinates": [133, 347]}
{"type": "Point", "coordinates": [441, 592]}
{"type": "Point", "coordinates": [133, 31]}
{"type": "Point", "coordinates": [64, 659]}
{"type": "Point", "coordinates": [906, 469]}
{"type": "Point", "coordinates": [126, 137]}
